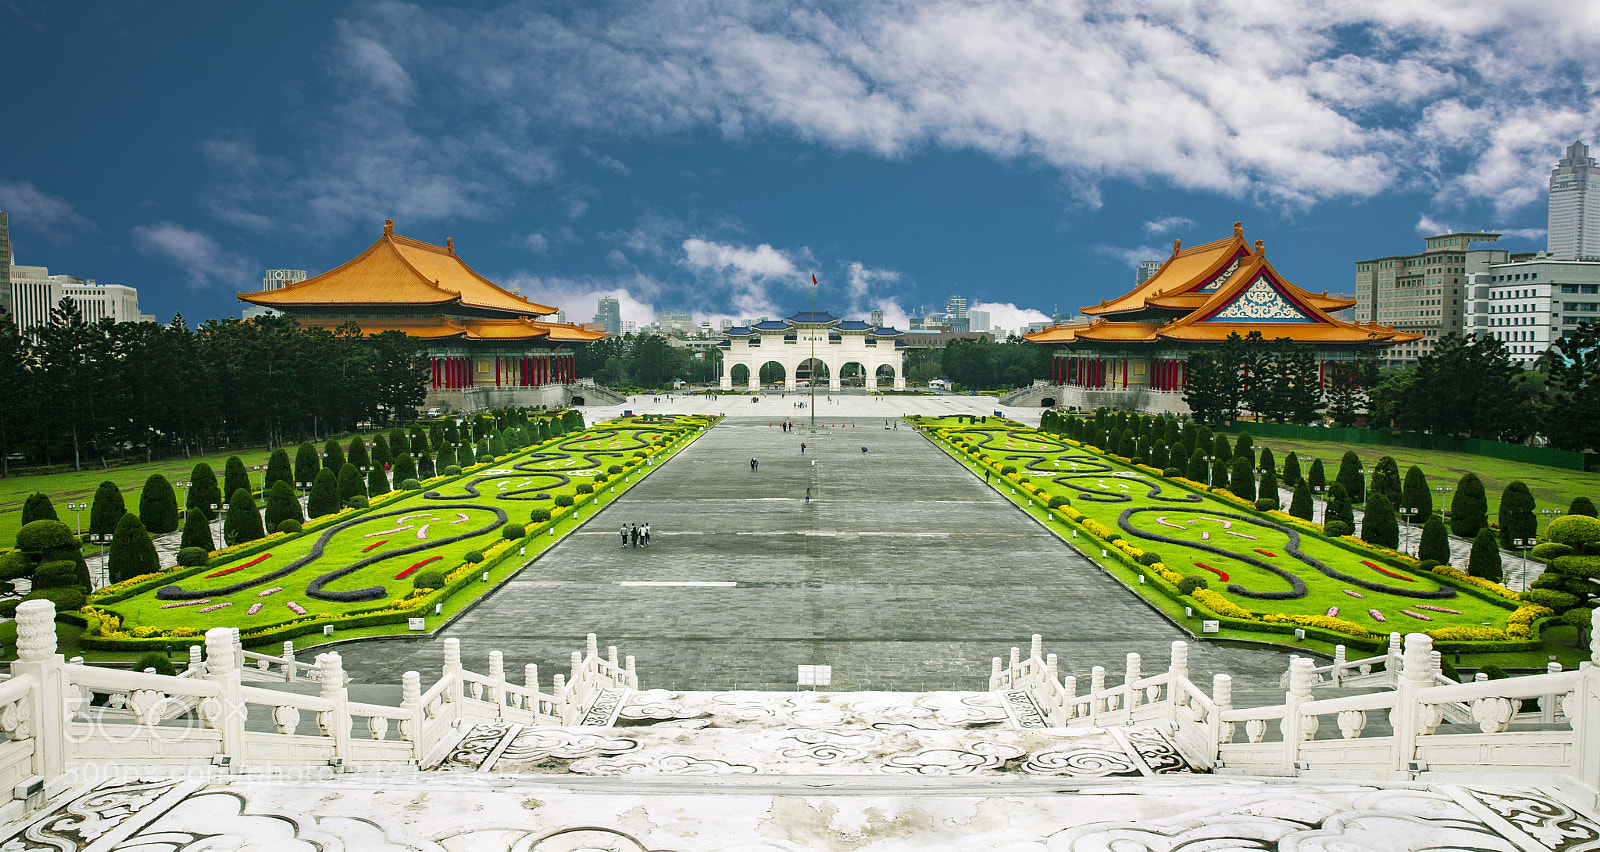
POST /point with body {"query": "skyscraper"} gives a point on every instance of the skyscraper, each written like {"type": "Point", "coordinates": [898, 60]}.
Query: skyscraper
{"type": "Point", "coordinates": [609, 314]}
{"type": "Point", "coordinates": [977, 320]}
{"type": "Point", "coordinates": [877, 319]}
{"type": "Point", "coordinates": [5, 262]}
{"type": "Point", "coordinates": [955, 312]}
{"type": "Point", "coordinates": [1147, 268]}
{"type": "Point", "coordinates": [1574, 216]}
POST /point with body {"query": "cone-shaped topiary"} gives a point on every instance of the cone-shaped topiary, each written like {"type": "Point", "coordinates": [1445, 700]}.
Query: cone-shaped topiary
{"type": "Point", "coordinates": [1386, 480]}
{"type": "Point", "coordinates": [306, 465]}
{"type": "Point", "coordinates": [1267, 486]}
{"type": "Point", "coordinates": [425, 466]}
{"type": "Point", "coordinates": [106, 510]}
{"type": "Point", "coordinates": [234, 476]}
{"type": "Point", "coordinates": [283, 504]}
{"type": "Point", "coordinates": [1378, 525]}
{"type": "Point", "coordinates": [1580, 506]}
{"type": "Point", "coordinates": [132, 553]}
{"type": "Point", "coordinates": [377, 481]}
{"type": "Point", "coordinates": [1157, 456]}
{"type": "Point", "coordinates": [358, 453]}
{"type": "Point", "coordinates": [1220, 470]}
{"type": "Point", "coordinates": [1179, 459]}
{"type": "Point", "coordinates": [1435, 543]}
{"type": "Point", "coordinates": [158, 505]}
{"type": "Point", "coordinates": [278, 469]}
{"type": "Point", "coordinates": [399, 444]}
{"type": "Point", "coordinates": [1517, 520]}
{"type": "Point", "coordinates": [350, 484]}
{"type": "Point", "coordinates": [243, 521]}
{"type": "Point", "coordinates": [1301, 506]}
{"type": "Point", "coordinates": [333, 457]}
{"type": "Point", "coordinates": [197, 532]}
{"type": "Point", "coordinates": [1415, 494]}
{"type": "Point", "coordinates": [380, 452]}
{"type": "Point", "coordinates": [1222, 450]}
{"type": "Point", "coordinates": [205, 495]}
{"type": "Point", "coordinates": [1315, 477]}
{"type": "Point", "coordinates": [1350, 477]}
{"type": "Point", "coordinates": [1485, 559]}
{"type": "Point", "coordinates": [1267, 461]}
{"type": "Point", "coordinates": [1339, 508]}
{"type": "Point", "coordinates": [1244, 448]}
{"type": "Point", "coordinates": [38, 508]}
{"type": "Point", "coordinates": [324, 496]}
{"type": "Point", "coordinates": [1241, 479]}
{"type": "Point", "coordinates": [436, 436]}
{"type": "Point", "coordinates": [1469, 507]}
{"type": "Point", "coordinates": [404, 468]}
{"type": "Point", "coordinates": [1198, 471]}
{"type": "Point", "coordinates": [1291, 469]}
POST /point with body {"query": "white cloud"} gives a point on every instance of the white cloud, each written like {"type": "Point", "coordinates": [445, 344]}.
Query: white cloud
{"type": "Point", "coordinates": [866, 291]}
{"type": "Point", "coordinates": [1427, 226]}
{"type": "Point", "coordinates": [1008, 316]}
{"type": "Point", "coordinates": [579, 296]}
{"type": "Point", "coordinates": [29, 208]}
{"type": "Point", "coordinates": [1167, 225]}
{"type": "Point", "coordinates": [1131, 255]}
{"type": "Point", "coordinates": [1523, 233]}
{"type": "Point", "coordinates": [537, 242]}
{"type": "Point", "coordinates": [742, 277]}
{"type": "Point", "coordinates": [202, 260]}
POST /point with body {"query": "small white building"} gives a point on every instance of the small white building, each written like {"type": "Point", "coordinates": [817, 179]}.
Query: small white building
{"type": "Point", "coordinates": [811, 347]}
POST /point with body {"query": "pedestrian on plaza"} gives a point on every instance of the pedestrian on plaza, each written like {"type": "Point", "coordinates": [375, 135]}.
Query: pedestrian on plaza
{"type": "Point", "coordinates": [753, 464]}
{"type": "Point", "coordinates": [645, 534]}
{"type": "Point", "coordinates": [802, 448]}
{"type": "Point", "coordinates": [863, 451]}
{"type": "Point", "coordinates": [633, 531]}
{"type": "Point", "coordinates": [808, 496]}
{"type": "Point", "coordinates": [624, 535]}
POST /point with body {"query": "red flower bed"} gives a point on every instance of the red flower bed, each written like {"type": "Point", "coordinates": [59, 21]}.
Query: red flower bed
{"type": "Point", "coordinates": [1266, 553]}
{"type": "Point", "coordinates": [374, 544]}
{"type": "Point", "coordinates": [256, 561]}
{"type": "Point", "coordinates": [406, 573]}
{"type": "Point", "coordinates": [1222, 574]}
{"type": "Point", "coordinates": [1387, 573]}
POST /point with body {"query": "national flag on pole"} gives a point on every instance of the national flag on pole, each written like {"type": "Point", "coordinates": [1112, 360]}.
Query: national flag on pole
{"type": "Point", "coordinates": [813, 279]}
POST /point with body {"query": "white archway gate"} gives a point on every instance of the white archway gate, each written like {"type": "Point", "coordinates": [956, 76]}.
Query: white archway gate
{"type": "Point", "coordinates": [803, 336]}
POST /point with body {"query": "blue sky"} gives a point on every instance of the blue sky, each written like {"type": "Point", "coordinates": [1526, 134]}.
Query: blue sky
{"type": "Point", "coordinates": [711, 157]}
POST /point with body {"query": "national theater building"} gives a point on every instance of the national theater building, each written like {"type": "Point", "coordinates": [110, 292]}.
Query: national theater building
{"type": "Point", "coordinates": [488, 347]}
{"type": "Point", "coordinates": [1132, 352]}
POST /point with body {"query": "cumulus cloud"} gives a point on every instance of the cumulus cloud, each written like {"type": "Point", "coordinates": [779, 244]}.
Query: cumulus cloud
{"type": "Point", "coordinates": [203, 262]}
{"type": "Point", "coordinates": [1428, 226]}
{"type": "Point", "coordinates": [868, 289]}
{"type": "Point", "coordinates": [1167, 225]}
{"type": "Point", "coordinates": [537, 242]}
{"type": "Point", "coordinates": [579, 296]}
{"type": "Point", "coordinates": [30, 208]}
{"type": "Point", "coordinates": [1131, 255]}
{"type": "Point", "coordinates": [1005, 315]}
{"type": "Point", "coordinates": [748, 279]}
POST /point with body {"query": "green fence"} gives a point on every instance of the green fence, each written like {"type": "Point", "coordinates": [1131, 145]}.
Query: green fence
{"type": "Point", "coordinates": [1493, 449]}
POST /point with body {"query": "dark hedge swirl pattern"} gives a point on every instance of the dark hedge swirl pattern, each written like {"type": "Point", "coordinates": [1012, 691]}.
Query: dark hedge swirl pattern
{"type": "Point", "coordinates": [1292, 548]}
{"type": "Point", "coordinates": [177, 593]}
{"type": "Point", "coordinates": [1089, 468]}
{"type": "Point", "coordinates": [470, 488]}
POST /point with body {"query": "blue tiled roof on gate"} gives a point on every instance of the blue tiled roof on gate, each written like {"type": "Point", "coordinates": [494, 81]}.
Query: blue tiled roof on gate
{"type": "Point", "coordinates": [739, 331]}
{"type": "Point", "coordinates": [885, 331]}
{"type": "Point", "coordinates": [813, 317]}
{"type": "Point", "coordinates": [770, 325]}
{"type": "Point", "coordinates": [854, 325]}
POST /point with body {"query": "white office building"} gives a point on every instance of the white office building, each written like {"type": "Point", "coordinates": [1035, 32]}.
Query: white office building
{"type": "Point", "coordinates": [1531, 301]}
{"type": "Point", "coordinates": [5, 262]}
{"type": "Point", "coordinates": [976, 321]}
{"type": "Point", "coordinates": [1146, 269]}
{"type": "Point", "coordinates": [35, 292]}
{"type": "Point", "coordinates": [1575, 206]}
{"type": "Point", "coordinates": [274, 279]}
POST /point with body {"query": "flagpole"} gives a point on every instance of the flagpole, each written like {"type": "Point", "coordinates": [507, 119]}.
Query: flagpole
{"type": "Point", "coordinates": [813, 353]}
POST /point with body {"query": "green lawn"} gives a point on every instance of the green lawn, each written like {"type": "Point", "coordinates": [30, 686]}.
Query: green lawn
{"type": "Point", "coordinates": [1270, 567]}
{"type": "Point", "coordinates": [1552, 487]}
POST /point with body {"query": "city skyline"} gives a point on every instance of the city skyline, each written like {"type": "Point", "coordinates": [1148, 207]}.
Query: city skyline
{"type": "Point", "coordinates": [820, 143]}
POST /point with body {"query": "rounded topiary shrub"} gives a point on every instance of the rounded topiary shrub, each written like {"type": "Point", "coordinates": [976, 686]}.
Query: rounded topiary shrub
{"type": "Point", "coordinates": [585, 488]}
{"type": "Point", "coordinates": [66, 600]}
{"type": "Point", "coordinates": [452, 470]}
{"type": "Point", "coordinates": [39, 536]}
{"type": "Point", "coordinates": [57, 574]}
{"type": "Point", "coordinates": [614, 469]}
{"type": "Point", "coordinates": [1188, 585]}
{"type": "Point", "coordinates": [1337, 528]}
{"type": "Point", "coordinates": [189, 557]}
{"type": "Point", "coordinates": [289, 525]}
{"type": "Point", "coordinates": [1265, 503]}
{"type": "Point", "coordinates": [1058, 501]}
{"type": "Point", "coordinates": [1546, 551]}
{"type": "Point", "coordinates": [563, 499]}
{"type": "Point", "coordinates": [638, 454]}
{"type": "Point", "coordinates": [539, 516]}
{"type": "Point", "coordinates": [410, 485]}
{"type": "Point", "coordinates": [155, 660]}
{"type": "Point", "coordinates": [428, 580]}
{"type": "Point", "coordinates": [474, 556]}
{"type": "Point", "coordinates": [1172, 473]}
{"type": "Point", "coordinates": [359, 501]}
{"type": "Point", "coordinates": [600, 478]}
{"type": "Point", "coordinates": [1574, 531]}
{"type": "Point", "coordinates": [14, 565]}
{"type": "Point", "coordinates": [1008, 470]}
{"type": "Point", "coordinates": [1149, 558]}
{"type": "Point", "coordinates": [8, 609]}
{"type": "Point", "coordinates": [1556, 600]}
{"type": "Point", "coordinates": [512, 532]}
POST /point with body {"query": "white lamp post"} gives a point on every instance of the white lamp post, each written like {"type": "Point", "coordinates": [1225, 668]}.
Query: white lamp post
{"type": "Point", "coordinates": [77, 509]}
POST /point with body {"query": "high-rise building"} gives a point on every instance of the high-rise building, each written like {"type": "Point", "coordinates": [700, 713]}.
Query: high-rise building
{"type": "Point", "coordinates": [1529, 301]}
{"type": "Point", "coordinates": [5, 262]}
{"type": "Point", "coordinates": [274, 279]}
{"type": "Point", "coordinates": [1574, 230]}
{"type": "Point", "coordinates": [35, 292]}
{"type": "Point", "coordinates": [977, 320]}
{"type": "Point", "coordinates": [1421, 293]}
{"type": "Point", "coordinates": [561, 317]}
{"type": "Point", "coordinates": [609, 314]}
{"type": "Point", "coordinates": [877, 319]}
{"type": "Point", "coordinates": [1147, 268]}
{"type": "Point", "coordinates": [676, 324]}
{"type": "Point", "coordinates": [956, 308]}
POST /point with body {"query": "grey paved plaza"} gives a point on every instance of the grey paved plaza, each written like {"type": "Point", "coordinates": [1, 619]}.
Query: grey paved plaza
{"type": "Point", "coordinates": [904, 572]}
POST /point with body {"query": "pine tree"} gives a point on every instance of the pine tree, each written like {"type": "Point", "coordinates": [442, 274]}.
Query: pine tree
{"type": "Point", "coordinates": [1179, 459]}
{"type": "Point", "coordinates": [1485, 559]}
{"type": "Point", "coordinates": [234, 476]}
{"type": "Point", "coordinates": [1291, 469]}
{"type": "Point", "coordinates": [1414, 494]}
{"type": "Point", "coordinates": [1386, 480]}
{"type": "Point", "coordinates": [1242, 480]}
{"type": "Point", "coordinates": [1267, 487]}
{"type": "Point", "coordinates": [1315, 477]}
{"type": "Point", "coordinates": [37, 508]}
{"type": "Point", "coordinates": [106, 510]}
{"type": "Point", "coordinates": [132, 553]}
{"type": "Point", "coordinates": [358, 453]}
{"type": "Point", "coordinates": [350, 483]}
{"type": "Point", "coordinates": [283, 504]}
{"type": "Point", "coordinates": [279, 469]}
{"type": "Point", "coordinates": [324, 496]}
{"type": "Point", "coordinates": [197, 531]}
{"type": "Point", "coordinates": [1435, 544]}
{"type": "Point", "coordinates": [332, 457]}
{"type": "Point", "coordinates": [1378, 525]}
{"type": "Point", "coordinates": [1339, 507]}
{"type": "Point", "coordinates": [1350, 477]}
{"type": "Point", "coordinates": [243, 521]}
{"type": "Point", "coordinates": [1301, 506]}
{"type": "Point", "coordinates": [1198, 471]}
{"type": "Point", "coordinates": [404, 468]}
{"type": "Point", "coordinates": [306, 465]}
{"type": "Point", "coordinates": [1517, 520]}
{"type": "Point", "coordinates": [377, 481]}
{"type": "Point", "coordinates": [1469, 507]}
{"type": "Point", "coordinates": [1580, 506]}
{"type": "Point", "coordinates": [158, 505]}
{"type": "Point", "coordinates": [1267, 461]}
{"type": "Point", "coordinates": [1245, 448]}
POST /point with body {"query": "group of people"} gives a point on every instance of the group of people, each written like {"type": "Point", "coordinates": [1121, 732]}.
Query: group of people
{"type": "Point", "coordinates": [636, 535]}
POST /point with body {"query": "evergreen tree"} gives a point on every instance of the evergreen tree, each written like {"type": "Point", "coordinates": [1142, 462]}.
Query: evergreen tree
{"type": "Point", "coordinates": [1517, 520]}
{"type": "Point", "coordinates": [1158, 455]}
{"type": "Point", "coordinates": [350, 483]}
{"type": "Point", "coordinates": [399, 445]}
{"type": "Point", "coordinates": [1198, 471]}
{"type": "Point", "coordinates": [1435, 544]}
{"type": "Point", "coordinates": [332, 456]}
{"type": "Point", "coordinates": [196, 531]}
{"type": "Point", "coordinates": [1169, 430]}
{"type": "Point", "coordinates": [1267, 487]}
{"type": "Point", "coordinates": [324, 496]}
{"type": "Point", "coordinates": [132, 553]}
{"type": "Point", "coordinates": [436, 436]}
{"type": "Point", "coordinates": [234, 476]}
{"type": "Point", "coordinates": [425, 467]}
{"type": "Point", "coordinates": [1315, 477]}
{"type": "Point", "coordinates": [1386, 480]}
{"type": "Point", "coordinates": [404, 468]}
{"type": "Point", "coordinates": [1242, 480]}
{"type": "Point", "coordinates": [380, 452]}
{"type": "Point", "coordinates": [1245, 448]}
{"type": "Point", "coordinates": [358, 453]}
{"type": "Point", "coordinates": [1267, 461]}
{"type": "Point", "coordinates": [1485, 559]}
{"type": "Point", "coordinates": [106, 510]}
{"type": "Point", "coordinates": [1178, 458]}
{"type": "Point", "coordinates": [278, 469]}
{"type": "Point", "coordinates": [1339, 507]}
{"type": "Point", "coordinates": [1580, 506]}
{"type": "Point", "coordinates": [38, 508]}
{"type": "Point", "coordinates": [158, 505]}
{"type": "Point", "coordinates": [1222, 451]}
{"type": "Point", "coordinates": [283, 504]}
{"type": "Point", "coordinates": [1469, 507]}
{"type": "Point", "coordinates": [419, 440]}
{"type": "Point", "coordinates": [1378, 525]}
{"type": "Point", "coordinates": [1291, 469]}
{"type": "Point", "coordinates": [1350, 477]}
{"type": "Point", "coordinates": [306, 464]}
{"type": "Point", "coordinates": [377, 481]}
{"type": "Point", "coordinates": [1414, 494]}
{"type": "Point", "coordinates": [1301, 506]}
{"type": "Point", "coordinates": [243, 521]}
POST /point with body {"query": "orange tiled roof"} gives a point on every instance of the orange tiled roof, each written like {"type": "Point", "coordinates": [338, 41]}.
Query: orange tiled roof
{"type": "Point", "coordinates": [439, 328]}
{"type": "Point", "coordinates": [1186, 269]}
{"type": "Point", "coordinates": [398, 270]}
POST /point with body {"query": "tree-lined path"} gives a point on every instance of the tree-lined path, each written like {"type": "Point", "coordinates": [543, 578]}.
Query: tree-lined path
{"type": "Point", "coordinates": [905, 571]}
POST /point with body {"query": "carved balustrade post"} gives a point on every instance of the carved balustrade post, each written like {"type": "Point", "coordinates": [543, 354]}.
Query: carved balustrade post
{"type": "Point", "coordinates": [226, 712]}
{"type": "Point", "coordinates": [1014, 671]}
{"type": "Point", "coordinates": [288, 662]}
{"type": "Point", "coordinates": [497, 689]}
{"type": "Point", "coordinates": [197, 660]}
{"type": "Point", "coordinates": [1547, 703]}
{"type": "Point", "coordinates": [1297, 727]}
{"type": "Point", "coordinates": [1394, 659]}
{"type": "Point", "coordinates": [335, 723]}
{"type": "Point", "coordinates": [1338, 665]}
{"type": "Point", "coordinates": [1222, 696]}
{"type": "Point", "coordinates": [1069, 707]}
{"type": "Point", "coordinates": [452, 673]}
{"type": "Point", "coordinates": [1585, 712]}
{"type": "Point", "coordinates": [411, 702]}
{"type": "Point", "coordinates": [42, 715]}
{"type": "Point", "coordinates": [1409, 718]}
{"type": "Point", "coordinates": [1177, 673]}
{"type": "Point", "coordinates": [633, 674]}
{"type": "Point", "coordinates": [1036, 647]}
{"type": "Point", "coordinates": [1097, 690]}
{"type": "Point", "coordinates": [995, 679]}
{"type": "Point", "coordinates": [1130, 695]}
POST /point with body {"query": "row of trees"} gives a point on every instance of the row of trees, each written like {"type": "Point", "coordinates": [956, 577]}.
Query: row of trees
{"type": "Point", "coordinates": [647, 361]}
{"type": "Point", "coordinates": [980, 365]}
{"type": "Point", "coordinates": [79, 391]}
{"type": "Point", "coordinates": [1274, 380]}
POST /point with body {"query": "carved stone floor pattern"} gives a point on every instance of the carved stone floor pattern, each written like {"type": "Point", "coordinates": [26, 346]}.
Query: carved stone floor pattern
{"type": "Point", "coordinates": [475, 813]}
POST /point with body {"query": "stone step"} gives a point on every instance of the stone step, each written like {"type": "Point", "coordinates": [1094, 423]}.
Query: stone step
{"type": "Point", "coordinates": [755, 709]}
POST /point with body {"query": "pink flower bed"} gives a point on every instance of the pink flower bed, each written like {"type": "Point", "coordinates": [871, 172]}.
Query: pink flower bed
{"type": "Point", "coordinates": [1377, 616]}
{"type": "Point", "coordinates": [1332, 611]}
{"type": "Point", "coordinates": [1433, 608]}
{"type": "Point", "coordinates": [295, 608]}
{"type": "Point", "coordinates": [216, 606]}
{"type": "Point", "coordinates": [185, 603]}
{"type": "Point", "coordinates": [1416, 615]}
{"type": "Point", "coordinates": [270, 591]}
{"type": "Point", "coordinates": [1353, 594]}
{"type": "Point", "coordinates": [254, 608]}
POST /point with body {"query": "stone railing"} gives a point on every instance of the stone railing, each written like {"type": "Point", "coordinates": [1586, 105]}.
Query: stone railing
{"type": "Point", "coordinates": [58, 715]}
{"type": "Point", "coordinates": [1419, 712]}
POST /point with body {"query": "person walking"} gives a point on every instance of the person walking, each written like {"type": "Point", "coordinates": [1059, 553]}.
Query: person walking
{"type": "Point", "coordinates": [633, 531]}
{"type": "Point", "coordinates": [808, 496]}
{"type": "Point", "coordinates": [644, 534]}
{"type": "Point", "coordinates": [753, 465]}
{"type": "Point", "coordinates": [802, 448]}
{"type": "Point", "coordinates": [624, 535]}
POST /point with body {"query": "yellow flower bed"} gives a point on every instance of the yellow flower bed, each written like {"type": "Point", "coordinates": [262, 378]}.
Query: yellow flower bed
{"type": "Point", "coordinates": [1467, 634]}
{"type": "Point", "coordinates": [1519, 625]}
{"type": "Point", "coordinates": [1220, 605]}
{"type": "Point", "coordinates": [1476, 582]}
{"type": "Point", "coordinates": [1321, 622]}
{"type": "Point", "coordinates": [1161, 570]}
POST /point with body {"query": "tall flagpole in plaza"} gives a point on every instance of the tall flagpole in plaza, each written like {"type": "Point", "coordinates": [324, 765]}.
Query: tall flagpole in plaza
{"type": "Point", "coordinates": [813, 402]}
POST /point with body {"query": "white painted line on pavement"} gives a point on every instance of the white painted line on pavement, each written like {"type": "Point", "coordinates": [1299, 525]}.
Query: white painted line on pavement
{"type": "Point", "coordinates": [711, 583]}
